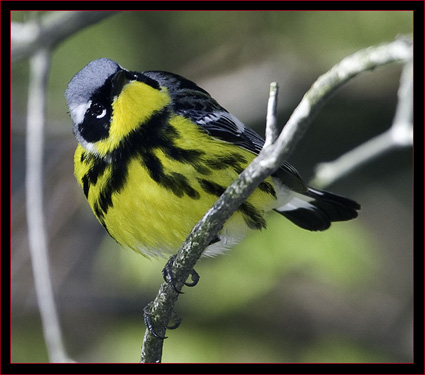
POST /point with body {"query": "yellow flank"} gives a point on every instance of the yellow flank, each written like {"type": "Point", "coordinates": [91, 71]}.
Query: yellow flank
{"type": "Point", "coordinates": [82, 168]}
{"type": "Point", "coordinates": [134, 106]}
{"type": "Point", "coordinates": [151, 219]}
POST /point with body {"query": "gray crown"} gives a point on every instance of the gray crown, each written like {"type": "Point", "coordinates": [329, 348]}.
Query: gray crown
{"type": "Point", "coordinates": [88, 80]}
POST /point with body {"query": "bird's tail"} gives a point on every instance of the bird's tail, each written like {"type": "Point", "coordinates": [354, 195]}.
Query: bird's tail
{"type": "Point", "coordinates": [315, 210]}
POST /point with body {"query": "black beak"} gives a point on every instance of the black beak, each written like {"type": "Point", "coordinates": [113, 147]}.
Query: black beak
{"type": "Point", "coordinates": [119, 80]}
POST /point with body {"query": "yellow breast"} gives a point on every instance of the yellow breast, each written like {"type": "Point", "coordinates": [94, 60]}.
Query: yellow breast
{"type": "Point", "coordinates": [153, 213]}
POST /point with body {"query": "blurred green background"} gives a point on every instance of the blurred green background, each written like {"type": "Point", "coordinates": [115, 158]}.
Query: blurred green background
{"type": "Point", "coordinates": [284, 294]}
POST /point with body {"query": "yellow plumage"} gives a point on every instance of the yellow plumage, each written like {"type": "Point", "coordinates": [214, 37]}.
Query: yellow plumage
{"type": "Point", "coordinates": [149, 218]}
{"type": "Point", "coordinates": [156, 151]}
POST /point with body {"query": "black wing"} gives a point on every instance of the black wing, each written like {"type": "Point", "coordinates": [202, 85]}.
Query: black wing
{"type": "Point", "coordinates": [193, 102]}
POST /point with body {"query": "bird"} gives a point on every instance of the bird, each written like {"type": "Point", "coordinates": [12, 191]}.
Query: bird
{"type": "Point", "coordinates": [155, 151]}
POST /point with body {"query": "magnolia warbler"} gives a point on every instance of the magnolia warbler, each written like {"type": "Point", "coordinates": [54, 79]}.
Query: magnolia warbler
{"type": "Point", "coordinates": [156, 151]}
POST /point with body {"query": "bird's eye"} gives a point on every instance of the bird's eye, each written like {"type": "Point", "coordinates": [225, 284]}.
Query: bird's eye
{"type": "Point", "coordinates": [98, 110]}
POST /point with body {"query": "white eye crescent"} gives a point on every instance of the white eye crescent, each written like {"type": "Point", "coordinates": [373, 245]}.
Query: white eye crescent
{"type": "Point", "coordinates": [102, 114]}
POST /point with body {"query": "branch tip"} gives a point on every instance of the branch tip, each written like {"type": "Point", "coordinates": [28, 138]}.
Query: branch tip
{"type": "Point", "coordinates": [272, 131]}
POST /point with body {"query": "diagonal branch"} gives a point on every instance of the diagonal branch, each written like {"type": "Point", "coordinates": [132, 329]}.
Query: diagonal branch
{"type": "Point", "coordinates": [269, 159]}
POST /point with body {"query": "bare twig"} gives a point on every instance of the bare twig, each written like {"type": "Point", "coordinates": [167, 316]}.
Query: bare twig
{"type": "Point", "coordinates": [36, 39]}
{"type": "Point", "coordinates": [398, 135]}
{"type": "Point", "coordinates": [272, 131]}
{"type": "Point", "coordinates": [270, 158]}
{"type": "Point", "coordinates": [39, 70]}
{"type": "Point", "coordinates": [46, 33]}
{"type": "Point", "coordinates": [367, 59]}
